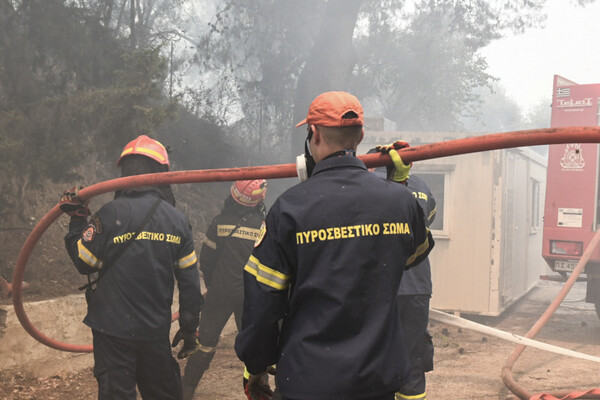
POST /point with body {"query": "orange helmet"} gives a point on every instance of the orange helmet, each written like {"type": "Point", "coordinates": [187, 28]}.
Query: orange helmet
{"type": "Point", "coordinates": [148, 147]}
{"type": "Point", "coordinates": [249, 193]}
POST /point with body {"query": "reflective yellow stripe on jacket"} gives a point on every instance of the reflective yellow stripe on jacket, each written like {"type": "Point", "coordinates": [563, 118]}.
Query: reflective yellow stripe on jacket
{"type": "Point", "coordinates": [400, 396]}
{"type": "Point", "coordinates": [186, 261]}
{"type": "Point", "coordinates": [422, 248]}
{"type": "Point", "coordinates": [432, 214]}
{"type": "Point", "coordinates": [87, 257]}
{"type": "Point", "coordinates": [266, 275]}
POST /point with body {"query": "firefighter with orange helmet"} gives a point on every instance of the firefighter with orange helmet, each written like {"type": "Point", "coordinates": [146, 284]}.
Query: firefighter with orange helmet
{"type": "Point", "coordinates": [230, 240]}
{"type": "Point", "coordinates": [139, 244]}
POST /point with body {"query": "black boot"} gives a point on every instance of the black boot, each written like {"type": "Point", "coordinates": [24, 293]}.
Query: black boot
{"type": "Point", "coordinates": [196, 365]}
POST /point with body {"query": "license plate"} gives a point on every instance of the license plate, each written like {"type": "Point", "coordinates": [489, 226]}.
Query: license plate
{"type": "Point", "coordinates": [566, 266]}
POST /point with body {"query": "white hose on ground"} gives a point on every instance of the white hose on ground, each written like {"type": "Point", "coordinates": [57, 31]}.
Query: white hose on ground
{"type": "Point", "coordinates": [510, 337]}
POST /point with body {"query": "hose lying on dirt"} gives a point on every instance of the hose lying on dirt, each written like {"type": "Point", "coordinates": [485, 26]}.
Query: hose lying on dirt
{"type": "Point", "coordinates": [510, 337]}
{"type": "Point", "coordinates": [588, 394]}
{"type": "Point", "coordinates": [506, 374]}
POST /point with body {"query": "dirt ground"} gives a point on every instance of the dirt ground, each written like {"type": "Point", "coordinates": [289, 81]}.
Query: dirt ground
{"type": "Point", "coordinates": [467, 363]}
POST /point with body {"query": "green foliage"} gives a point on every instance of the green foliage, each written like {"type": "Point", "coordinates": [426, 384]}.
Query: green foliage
{"type": "Point", "coordinates": [59, 133]}
{"type": "Point", "coordinates": [144, 69]}
{"type": "Point", "coordinates": [155, 22]}
{"type": "Point", "coordinates": [420, 64]}
{"type": "Point", "coordinates": [423, 73]}
{"type": "Point", "coordinates": [251, 56]}
{"type": "Point", "coordinates": [52, 49]}
{"type": "Point", "coordinates": [71, 85]}
{"type": "Point", "coordinates": [497, 113]}
{"type": "Point", "coordinates": [198, 144]}
{"type": "Point", "coordinates": [69, 89]}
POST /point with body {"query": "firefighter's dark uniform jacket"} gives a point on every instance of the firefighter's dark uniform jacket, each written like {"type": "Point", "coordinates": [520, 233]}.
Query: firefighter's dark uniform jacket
{"type": "Point", "coordinates": [329, 264]}
{"type": "Point", "coordinates": [133, 300]}
{"type": "Point", "coordinates": [230, 239]}
{"type": "Point", "coordinates": [413, 305]}
{"type": "Point", "coordinates": [417, 280]}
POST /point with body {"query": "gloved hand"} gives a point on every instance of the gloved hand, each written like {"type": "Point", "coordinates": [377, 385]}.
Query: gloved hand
{"type": "Point", "coordinates": [72, 205]}
{"type": "Point", "coordinates": [256, 387]}
{"type": "Point", "coordinates": [272, 370]}
{"type": "Point", "coordinates": [400, 172]}
{"type": "Point", "coordinates": [190, 343]}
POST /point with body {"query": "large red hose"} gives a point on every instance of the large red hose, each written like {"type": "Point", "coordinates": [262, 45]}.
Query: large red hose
{"type": "Point", "coordinates": [506, 374]}
{"type": "Point", "coordinates": [417, 153]}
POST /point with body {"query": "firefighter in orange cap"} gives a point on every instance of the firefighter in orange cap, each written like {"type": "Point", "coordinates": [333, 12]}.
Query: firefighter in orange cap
{"type": "Point", "coordinates": [321, 283]}
{"type": "Point", "coordinates": [230, 239]}
{"type": "Point", "coordinates": [139, 244]}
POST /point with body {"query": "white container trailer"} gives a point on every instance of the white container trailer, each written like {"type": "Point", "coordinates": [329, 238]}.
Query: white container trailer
{"type": "Point", "coordinates": [488, 228]}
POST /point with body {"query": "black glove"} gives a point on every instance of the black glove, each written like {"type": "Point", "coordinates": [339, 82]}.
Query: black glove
{"type": "Point", "coordinates": [256, 387]}
{"type": "Point", "coordinates": [190, 343]}
{"type": "Point", "coordinates": [71, 204]}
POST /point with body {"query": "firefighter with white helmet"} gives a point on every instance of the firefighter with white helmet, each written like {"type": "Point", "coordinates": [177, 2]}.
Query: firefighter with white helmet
{"type": "Point", "coordinates": [230, 239]}
{"type": "Point", "coordinates": [139, 243]}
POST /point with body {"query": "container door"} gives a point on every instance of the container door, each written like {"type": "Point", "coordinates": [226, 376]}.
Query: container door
{"type": "Point", "coordinates": [514, 232]}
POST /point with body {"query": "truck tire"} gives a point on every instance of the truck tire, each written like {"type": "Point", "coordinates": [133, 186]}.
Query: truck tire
{"type": "Point", "coordinates": [597, 305]}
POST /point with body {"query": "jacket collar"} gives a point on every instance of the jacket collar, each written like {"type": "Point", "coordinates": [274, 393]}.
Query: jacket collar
{"type": "Point", "coordinates": [339, 162]}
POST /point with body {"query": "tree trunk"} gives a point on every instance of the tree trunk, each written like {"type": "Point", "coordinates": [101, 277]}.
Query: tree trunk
{"type": "Point", "coordinates": [107, 14]}
{"type": "Point", "coordinates": [22, 196]}
{"type": "Point", "coordinates": [132, 24]}
{"type": "Point", "coordinates": [7, 21]}
{"type": "Point", "coordinates": [120, 18]}
{"type": "Point", "coordinates": [330, 63]}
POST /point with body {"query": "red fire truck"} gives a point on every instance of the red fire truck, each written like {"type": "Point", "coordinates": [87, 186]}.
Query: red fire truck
{"type": "Point", "coordinates": [572, 213]}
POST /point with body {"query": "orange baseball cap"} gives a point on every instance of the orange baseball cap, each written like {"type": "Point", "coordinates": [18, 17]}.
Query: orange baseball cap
{"type": "Point", "coordinates": [334, 109]}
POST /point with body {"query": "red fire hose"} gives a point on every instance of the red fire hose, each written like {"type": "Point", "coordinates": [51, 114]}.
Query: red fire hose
{"type": "Point", "coordinates": [506, 374]}
{"type": "Point", "coordinates": [417, 153]}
